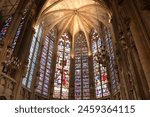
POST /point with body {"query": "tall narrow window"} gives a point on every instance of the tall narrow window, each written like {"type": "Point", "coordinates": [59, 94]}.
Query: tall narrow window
{"type": "Point", "coordinates": [5, 27]}
{"type": "Point", "coordinates": [82, 90]}
{"type": "Point", "coordinates": [100, 70]}
{"type": "Point", "coordinates": [19, 29]}
{"type": "Point", "coordinates": [110, 51]}
{"type": "Point", "coordinates": [32, 57]}
{"type": "Point", "coordinates": [45, 64]}
{"type": "Point", "coordinates": [62, 73]}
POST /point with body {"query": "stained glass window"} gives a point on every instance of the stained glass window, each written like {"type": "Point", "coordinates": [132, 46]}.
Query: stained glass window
{"type": "Point", "coordinates": [110, 51]}
{"type": "Point", "coordinates": [45, 64]}
{"type": "Point", "coordinates": [82, 90]}
{"type": "Point", "coordinates": [5, 27]}
{"type": "Point", "coordinates": [32, 57]}
{"type": "Point", "coordinates": [19, 30]}
{"type": "Point", "coordinates": [100, 71]}
{"type": "Point", "coordinates": [62, 73]}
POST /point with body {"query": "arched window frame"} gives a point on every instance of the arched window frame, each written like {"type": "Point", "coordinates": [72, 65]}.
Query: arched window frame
{"type": "Point", "coordinates": [34, 49]}
{"type": "Point", "coordinates": [100, 70]}
{"type": "Point", "coordinates": [82, 86]}
{"type": "Point", "coordinates": [62, 71]}
{"type": "Point", "coordinates": [45, 70]}
{"type": "Point", "coordinates": [112, 70]}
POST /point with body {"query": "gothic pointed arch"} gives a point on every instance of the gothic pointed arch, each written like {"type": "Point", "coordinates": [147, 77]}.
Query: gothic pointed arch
{"type": "Point", "coordinates": [62, 71]}
{"type": "Point", "coordinates": [82, 89]}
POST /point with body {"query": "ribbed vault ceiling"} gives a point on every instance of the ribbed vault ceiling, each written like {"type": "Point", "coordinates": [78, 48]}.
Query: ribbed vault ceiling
{"type": "Point", "coordinates": [74, 16]}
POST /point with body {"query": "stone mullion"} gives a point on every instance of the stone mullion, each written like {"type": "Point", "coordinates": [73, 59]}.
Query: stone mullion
{"type": "Point", "coordinates": [72, 75]}
{"type": "Point", "coordinates": [91, 72]}
{"type": "Point", "coordinates": [64, 44]}
{"type": "Point", "coordinates": [53, 68]}
{"type": "Point", "coordinates": [72, 79]}
{"type": "Point", "coordinates": [81, 72]}
{"type": "Point", "coordinates": [45, 64]}
{"type": "Point", "coordinates": [91, 79]}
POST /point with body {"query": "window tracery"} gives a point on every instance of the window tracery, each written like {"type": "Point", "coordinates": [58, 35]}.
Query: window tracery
{"type": "Point", "coordinates": [45, 64]}
{"type": "Point", "coordinates": [62, 72]}
{"type": "Point", "coordinates": [34, 49]}
{"type": "Point", "coordinates": [100, 70]}
{"type": "Point", "coordinates": [82, 90]}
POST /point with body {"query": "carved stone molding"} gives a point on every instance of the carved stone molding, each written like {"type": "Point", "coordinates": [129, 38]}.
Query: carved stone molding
{"type": "Point", "coordinates": [123, 41]}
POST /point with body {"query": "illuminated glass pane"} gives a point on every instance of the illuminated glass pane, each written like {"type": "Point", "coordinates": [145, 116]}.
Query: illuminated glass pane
{"type": "Point", "coordinates": [45, 63]}
{"type": "Point", "coordinates": [81, 68]}
{"type": "Point", "coordinates": [32, 59]}
{"type": "Point", "coordinates": [19, 30]}
{"type": "Point", "coordinates": [109, 47]}
{"type": "Point", "coordinates": [100, 72]}
{"type": "Point", "coordinates": [5, 27]}
{"type": "Point", "coordinates": [62, 73]}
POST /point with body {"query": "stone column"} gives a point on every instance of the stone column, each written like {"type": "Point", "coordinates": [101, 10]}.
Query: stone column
{"type": "Point", "coordinates": [91, 79]}
{"type": "Point", "coordinates": [142, 43]}
{"type": "Point", "coordinates": [121, 59]}
{"type": "Point", "coordinates": [53, 66]}
{"type": "Point", "coordinates": [72, 79]}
